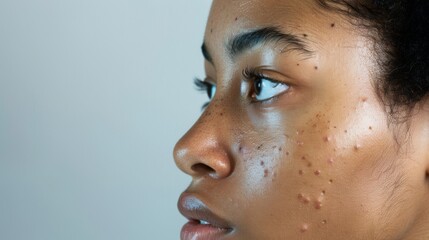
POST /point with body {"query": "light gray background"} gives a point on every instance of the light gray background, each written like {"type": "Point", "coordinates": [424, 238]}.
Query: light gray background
{"type": "Point", "coordinates": [93, 96]}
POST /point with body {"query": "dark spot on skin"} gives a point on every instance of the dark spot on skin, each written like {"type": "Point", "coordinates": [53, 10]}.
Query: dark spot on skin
{"type": "Point", "coordinates": [324, 221]}
{"type": "Point", "coordinates": [305, 35]}
{"type": "Point", "coordinates": [262, 163]}
{"type": "Point", "coordinates": [345, 131]}
{"type": "Point", "coordinates": [309, 164]}
{"type": "Point", "coordinates": [260, 146]}
{"type": "Point", "coordinates": [265, 173]}
{"type": "Point", "coordinates": [364, 99]}
{"type": "Point", "coordinates": [314, 125]}
{"type": "Point", "coordinates": [287, 153]}
{"type": "Point", "coordinates": [356, 147]}
{"type": "Point", "coordinates": [297, 64]}
{"type": "Point", "coordinates": [317, 172]}
{"type": "Point", "coordinates": [335, 126]}
{"type": "Point", "coordinates": [316, 67]}
{"type": "Point", "coordinates": [221, 114]}
{"type": "Point", "coordinates": [303, 158]}
{"type": "Point", "coordinates": [304, 228]}
{"type": "Point", "coordinates": [326, 139]}
{"type": "Point", "coordinates": [331, 181]}
{"type": "Point", "coordinates": [370, 128]}
{"type": "Point", "coordinates": [318, 205]}
{"type": "Point", "coordinates": [332, 24]}
{"type": "Point", "coordinates": [280, 149]}
{"type": "Point", "coordinates": [303, 198]}
{"type": "Point", "coordinates": [323, 192]}
{"type": "Point", "coordinates": [236, 18]}
{"type": "Point", "coordinates": [300, 172]}
{"type": "Point", "coordinates": [211, 30]}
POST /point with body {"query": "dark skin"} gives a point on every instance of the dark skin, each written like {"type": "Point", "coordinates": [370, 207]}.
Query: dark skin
{"type": "Point", "coordinates": [315, 156]}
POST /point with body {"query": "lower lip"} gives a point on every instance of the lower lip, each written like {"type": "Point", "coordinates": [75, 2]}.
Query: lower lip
{"type": "Point", "coordinates": [193, 230]}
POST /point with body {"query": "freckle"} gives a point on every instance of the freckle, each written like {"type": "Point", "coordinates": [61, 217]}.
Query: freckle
{"type": "Point", "coordinates": [324, 222]}
{"type": "Point", "coordinates": [316, 67]}
{"type": "Point", "coordinates": [305, 35]}
{"type": "Point", "coordinates": [356, 147]}
{"type": "Point", "coordinates": [303, 158]}
{"type": "Point", "coordinates": [211, 30]}
{"type": "Point", "coordinates": [370, 128]}
{"type": "Point", "coordinates": [262, 163]}
{"type": "Point", "coordinates": [260, 146]}
{"type": "Point", "coordinates": [318, 205]}
{"type": "Point", "coordinates": [301, 172]}
{"type": "Point", "coordinates": [323, 192]}
{"type": "Point", "coordinates": [364, 99]}
{"type": "Point", "coordinates": [304, 227]}
{"type": "Point", "coordinates": [265, 173]}
{"type": "Point", "coordinates": [309, 164]}
{"type": "Point", "coordinates": [335, 126]}
{"type": "Point", "coordinates": [317, 172]}
{"type": "Point", "coordinates": [221, 114]}
{"type": "Point", "coordinates": [332, 24]}
{"type": "Point", "coordinates": [280, 149]}
{"type": "Point", "coordinates": [287, 153]}
{"type": "Point", "coordinates": [236, 18]}
{"type": "Point", "coordinates": [297, 64]}
{"type": "Point", "coordinates": [345, 131]}
{"type": "Point", "coordinates": [306, 200]}
{"type": "Point", "coordinates": [314, 125]}
{"type": "Point", "coordinates": [331, 181]}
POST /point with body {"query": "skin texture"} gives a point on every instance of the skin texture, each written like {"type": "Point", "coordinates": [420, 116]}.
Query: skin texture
{"type": "Point", "coordinates": [320, 161]}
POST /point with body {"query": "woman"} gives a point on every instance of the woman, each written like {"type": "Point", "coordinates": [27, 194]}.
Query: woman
{"type": "Point", "coordinates": [317, 125]}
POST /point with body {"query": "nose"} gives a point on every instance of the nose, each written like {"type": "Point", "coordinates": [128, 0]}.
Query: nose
{"type": "Point", "coordinates": [203, 150]}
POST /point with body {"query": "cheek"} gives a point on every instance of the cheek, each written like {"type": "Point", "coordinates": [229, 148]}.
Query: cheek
{"type": "Point", "coordinates": [307, 170]}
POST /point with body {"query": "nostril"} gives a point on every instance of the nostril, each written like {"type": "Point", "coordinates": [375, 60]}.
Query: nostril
{"type": "Point", "coordinates": [202, 169]}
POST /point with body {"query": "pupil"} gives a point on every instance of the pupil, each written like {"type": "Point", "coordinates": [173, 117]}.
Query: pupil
{"type": "Point", "coordinates": [258, 87]}
{"type": "Point", "coordinates": [209, 92]}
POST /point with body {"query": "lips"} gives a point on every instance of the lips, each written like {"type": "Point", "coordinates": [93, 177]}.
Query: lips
{"type": "Point", "coordinates": [203, 223]}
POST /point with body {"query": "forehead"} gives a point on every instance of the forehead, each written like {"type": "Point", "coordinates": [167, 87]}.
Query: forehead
{"type": "Point", "coordinates": [229, 18]}
{"type": "Point", "coordinates": [247, 13]}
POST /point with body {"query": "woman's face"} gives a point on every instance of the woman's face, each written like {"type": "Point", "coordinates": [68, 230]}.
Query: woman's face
{"type": "Point", "coordinates": [295, 143]}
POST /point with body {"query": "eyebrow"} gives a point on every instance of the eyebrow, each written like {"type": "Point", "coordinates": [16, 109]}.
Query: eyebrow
{"type": "Point", "coordinates": [248, 40]}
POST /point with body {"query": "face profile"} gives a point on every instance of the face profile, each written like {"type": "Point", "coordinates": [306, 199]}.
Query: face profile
{"type": "Point", "coordinates": [296, 141]}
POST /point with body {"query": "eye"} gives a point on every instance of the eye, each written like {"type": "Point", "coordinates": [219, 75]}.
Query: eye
{"type": "Point", "coordinates": [264, 88]}
{"type": "Point", "coordinates": [205, 86]}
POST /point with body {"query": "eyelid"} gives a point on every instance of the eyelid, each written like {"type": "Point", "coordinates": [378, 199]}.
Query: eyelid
{"type": "Point", "coordinates": [252, 75]}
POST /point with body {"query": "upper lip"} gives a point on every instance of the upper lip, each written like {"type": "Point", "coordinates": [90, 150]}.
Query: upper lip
{"type": "Point", "coordinates": [194, 209]}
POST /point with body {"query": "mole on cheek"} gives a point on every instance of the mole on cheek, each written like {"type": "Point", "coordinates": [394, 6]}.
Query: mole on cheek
{"type": "Point", "coordinates": [304, 227]}
{"type": "Point", "coordinates": [266, 173]}
{"type": "Point", "coordinates": [332, 24]}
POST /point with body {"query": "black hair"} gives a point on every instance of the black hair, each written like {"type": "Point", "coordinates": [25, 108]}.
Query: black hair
{"type": "Point", "coordinates": [401, 30]}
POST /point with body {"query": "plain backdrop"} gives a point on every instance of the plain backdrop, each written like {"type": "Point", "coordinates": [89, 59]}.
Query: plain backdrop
{"type": "Point", "coordinates": [93, 96]}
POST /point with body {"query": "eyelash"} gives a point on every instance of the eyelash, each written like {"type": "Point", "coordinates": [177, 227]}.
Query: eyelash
{"type": "Point", "coordinates": [202, 86]}
{"type": "Point", "coordinates": [249, 74]}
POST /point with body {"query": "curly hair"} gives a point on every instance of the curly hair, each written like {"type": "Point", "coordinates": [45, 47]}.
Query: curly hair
{"type": "Point", "coordinates": [401, 30]}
